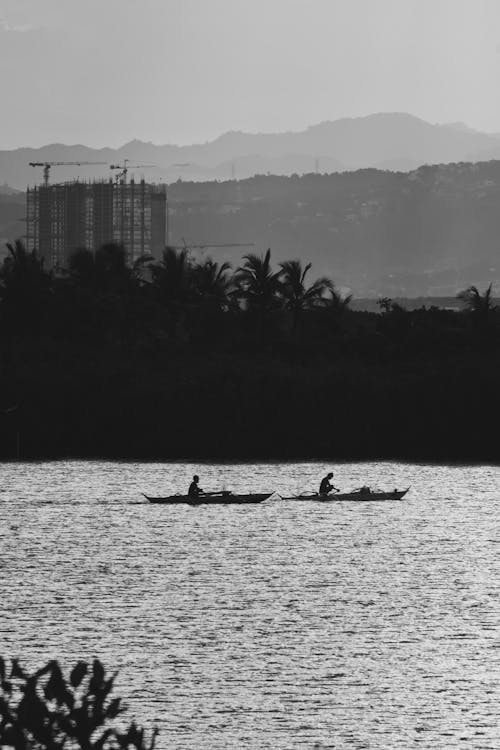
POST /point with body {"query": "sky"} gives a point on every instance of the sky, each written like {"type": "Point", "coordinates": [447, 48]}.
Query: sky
{"type": "Point", "coordinates": [103, 72]}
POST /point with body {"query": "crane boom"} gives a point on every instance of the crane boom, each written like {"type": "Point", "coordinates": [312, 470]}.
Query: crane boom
{"type": "Point", "coordinates": [222, 244]}
{"type": "Point", "coordinates": [48, 164]}
{"type": "Point", "coordinates": [185, 246]}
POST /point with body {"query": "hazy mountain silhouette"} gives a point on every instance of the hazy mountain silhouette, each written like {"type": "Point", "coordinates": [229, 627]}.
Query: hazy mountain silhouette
{"type": "Point", "coordinates": [431, 231]}
{"type": "Point", "coordinates": [393, 141]}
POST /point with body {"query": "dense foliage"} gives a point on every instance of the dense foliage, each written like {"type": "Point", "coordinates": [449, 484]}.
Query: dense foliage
{"type": "Point", "coordinates": [178, 358]}
{"type": "Point", "coordinates": [43, 710]}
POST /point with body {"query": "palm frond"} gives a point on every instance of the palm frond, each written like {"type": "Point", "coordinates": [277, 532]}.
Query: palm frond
{"type": "Point", "coordinates": [476, 302]}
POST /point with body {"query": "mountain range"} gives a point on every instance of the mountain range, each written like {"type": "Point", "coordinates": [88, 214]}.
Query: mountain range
{"type": "Point", "coordinates": [387, 141]}
{"type": "Point", "coordinates": [428, 232]}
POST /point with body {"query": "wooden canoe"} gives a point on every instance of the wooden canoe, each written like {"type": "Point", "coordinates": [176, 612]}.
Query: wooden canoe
{"type": "Point", "coordinates": [225, 498]}
{"type": "Point", "coordinates": [356, 496]}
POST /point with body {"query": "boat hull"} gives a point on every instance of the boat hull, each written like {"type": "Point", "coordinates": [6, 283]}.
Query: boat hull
{"type": "Point", "coordinates": [359, 497]}
{"type": "Point", "coordinates": [226, 499]}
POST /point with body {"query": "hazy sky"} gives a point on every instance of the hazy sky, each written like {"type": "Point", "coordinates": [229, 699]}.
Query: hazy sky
{"type": "Point", "coordinates": [102, 72]}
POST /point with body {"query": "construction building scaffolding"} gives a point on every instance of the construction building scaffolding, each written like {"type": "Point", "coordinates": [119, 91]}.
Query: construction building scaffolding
{"type": "Point", "coordinates": [65, 217]}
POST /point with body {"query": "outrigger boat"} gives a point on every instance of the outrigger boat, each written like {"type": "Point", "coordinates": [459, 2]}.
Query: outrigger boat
{"type": "Point", "coordinates": [210, 498]}
{"type": "Point", "coordinates": [363, 494]}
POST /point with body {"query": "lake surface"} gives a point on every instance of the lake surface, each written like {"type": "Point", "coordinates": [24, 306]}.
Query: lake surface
{"type": "Point", "coordinates": [281, 625]}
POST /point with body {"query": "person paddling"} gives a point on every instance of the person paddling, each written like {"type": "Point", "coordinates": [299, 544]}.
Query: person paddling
{"type": "Point", "coordinates": [325, 486]}
{"type": "Point", "coordinates": [194, 490]}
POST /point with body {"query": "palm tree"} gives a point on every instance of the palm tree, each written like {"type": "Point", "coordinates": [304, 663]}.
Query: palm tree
{"type": "Point", "coordinates": [22, 268]}
{"type": "Point", "coordinates": [173, 280]}
{"type": "Point", "coordinates": [213, 284]}
{"type": "Point", "coordinates": [388, 307]}
{"type": "Point", "coordinates": [480, 309]}
{"type": "Point", "coordinates": [298, 297]}
{"type": "Point", "coordinates": [479, 304]}
{"type": "Point", "coordinates": [140, 266]}
{"type": "Point", "coordinates": [173, 276]}
{"type": "Point", "coordinates": [104, 293]}
{"type": "Point", "coordinates": [339, 303]}
{"type": "Point", "coordinates": [105, 269]}
{"type": "Point", "coordinates": [259, 286]}
{"type": "Point", "coordinates": [385, 304]}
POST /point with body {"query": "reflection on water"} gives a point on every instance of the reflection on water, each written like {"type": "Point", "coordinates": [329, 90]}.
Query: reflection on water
{"type": "Point", "coordinates": [281, 625]}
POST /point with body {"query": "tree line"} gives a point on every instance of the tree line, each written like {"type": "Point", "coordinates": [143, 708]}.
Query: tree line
{"type": "Point", "coordinates": [101, 288]}
{"type": "Point", "coordinates": [177, 358]}
{"type": "Point", "coordinates": [178, 299]}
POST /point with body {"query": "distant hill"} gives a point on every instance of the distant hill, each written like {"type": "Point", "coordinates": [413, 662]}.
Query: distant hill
{"type": "Point", "coordinates": [392, 141]}
{"type": "Point", "coordinates": [432, 231]}
{"type": "Point", "coordinates": [7, 190]}
{"type": "Point", "coordinates": [428, 232]}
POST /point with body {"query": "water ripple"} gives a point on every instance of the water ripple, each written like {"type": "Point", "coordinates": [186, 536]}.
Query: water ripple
{"type": "Point", "coordinates": [284, 625]}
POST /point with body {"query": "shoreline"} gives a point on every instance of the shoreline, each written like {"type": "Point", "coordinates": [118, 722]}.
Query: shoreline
{"type": "Point", "coordinates": [250, 461]}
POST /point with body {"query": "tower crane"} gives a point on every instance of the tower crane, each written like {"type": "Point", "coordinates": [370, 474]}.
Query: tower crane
{"type": "Point", "coordinates": [48, 164]}
{"type": "Point", "coordinates": [125, 167]}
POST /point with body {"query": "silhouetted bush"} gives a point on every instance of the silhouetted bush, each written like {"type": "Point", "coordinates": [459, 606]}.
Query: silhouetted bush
{"type": "Point", "coordinates": [45, 711]}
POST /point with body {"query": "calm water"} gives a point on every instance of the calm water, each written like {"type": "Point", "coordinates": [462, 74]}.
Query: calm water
{"type": "Point", "coordinates": [284, 625]}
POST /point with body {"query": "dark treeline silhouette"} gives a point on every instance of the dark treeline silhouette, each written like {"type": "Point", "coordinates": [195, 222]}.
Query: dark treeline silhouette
{"type": "Point", "coordinates": [44, 710]}
{"type": "Point", "coordinates": [183, 358]}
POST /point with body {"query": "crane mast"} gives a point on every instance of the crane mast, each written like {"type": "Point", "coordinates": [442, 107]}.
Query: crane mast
{"type": "Point", "coordinates": [122, 174]}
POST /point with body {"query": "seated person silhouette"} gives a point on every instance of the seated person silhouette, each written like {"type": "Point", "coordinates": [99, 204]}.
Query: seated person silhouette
{"type": "Point", "coordinates": [194, 490]}
{"type": "Point", "coordinates": [325, 486]}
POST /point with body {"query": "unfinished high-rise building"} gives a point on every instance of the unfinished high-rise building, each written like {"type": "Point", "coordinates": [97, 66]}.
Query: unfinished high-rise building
{"type": "Point", "coordinates": [65, 217]}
